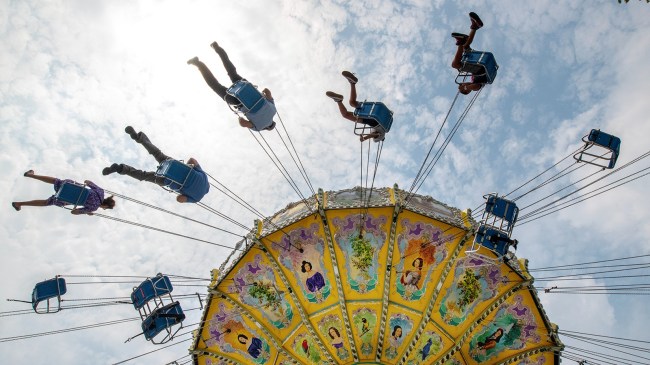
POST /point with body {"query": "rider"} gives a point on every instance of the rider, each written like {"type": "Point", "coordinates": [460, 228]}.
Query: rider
{"type": "Point", "coordinates": [463, 41]}
{"type": "Point", "coordinates": [378, 132]}
{"type": "Point", "coordinates": [94, 201]}
{"type": "Point", "coordinates": [192, 191]}
{"type": "Point", "coordinates": [262, 119]}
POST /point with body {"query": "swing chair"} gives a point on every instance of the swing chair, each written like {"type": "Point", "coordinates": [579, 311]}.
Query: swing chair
{"type": "Point", "coordinates": [477, 64]}
{"type": "Point", "coordinates": [376, 111]}
{"type": "Point", "coordinates": [163, 319]}
{"type": "Point", "coordinates": [175, 173]}
{"type": "Point", "coordinates": [73, 193]}
{"type": "Point", "coordinates": [48, 290]}
{"type": "Point", "coordinates": [257, 109]}
{"type": "Point", "coordinates": [157, 308]}
{"type": "Point", "coordinates": [149, 289]}
{"type": "Point", "coordinates": [606, 152]}
{"type": "Point", "coordinates": [495, 229]}
{"type": "Point", "coordinates": [494, 240]}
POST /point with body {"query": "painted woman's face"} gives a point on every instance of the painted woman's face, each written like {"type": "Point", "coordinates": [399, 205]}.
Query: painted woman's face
{"type": "Point", "coordinates": [398, 332]}
{"type": "Point", "coordinates": [332, 333]}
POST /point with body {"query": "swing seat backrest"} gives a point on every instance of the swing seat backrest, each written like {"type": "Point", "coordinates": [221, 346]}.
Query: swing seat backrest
{"type": "Point", "coordinates": [376, 111]}
{"type": "Point", "coordinates": [73, 193]}
{"type": "Point", "coordinates": [607, 141]}
{"type": "Point", "coordinates": [46, 290]}
{"type": "Point", "coordinates": [479, 63]}
{"type": "Point", "coordinates": [502, 208]}
{"type": "Point", "coordinates": [149, 289]}
{"type": "Point", "coordinates": [254, 105]}
{"type": "Point", "coordinates": [606, 153]}
{"type": "Point", "coordinates": [175, 172]}
{"type": "Point", "coordinates": [250, 98]}
{"type": "Point", "coordinates": [492, 239]}
{"type": "Point", "coordinates": [162, 319]}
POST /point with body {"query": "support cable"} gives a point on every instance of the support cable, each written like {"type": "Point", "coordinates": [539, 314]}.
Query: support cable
{"type": "Point", "coordinates": [418, 174]}
{"type": "Point", "coordinates": [444, 145]}
{"type": "Point", "coordinates": [169, 232]}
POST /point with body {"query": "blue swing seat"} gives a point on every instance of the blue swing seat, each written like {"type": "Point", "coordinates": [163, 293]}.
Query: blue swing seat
{"type": "Point", "coordinates": [175, 172]}
{"type": "Point", "coordinates": [611, 144]}
{"type": "Point", "coordinates": [254, 105]}
{"type": "Point", "coordinates": [162, 319]}
{"type": "Point", "coordinates": [149, 289]}
{"type": "Point", "coordinates": [376, 111]}
{"type": "Point", "coordinates": [477, 63]}
{"type": "Point", "coordinates": [72, 193]}
{"type": "Point", "coordinates": [499, 213]}
{"type": "Point", "coordinates": [46, 290]}
{"type": "Point", "coordinates": [492, 239]}
{"type": "Point", "coordinates": [501, 208]}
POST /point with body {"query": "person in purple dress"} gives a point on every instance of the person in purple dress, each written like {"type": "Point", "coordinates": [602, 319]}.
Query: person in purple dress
{"type": "Point", "coordinates": [94, 201]}
{"type": "Point", "coordinates": [316, 281]}
{"type": "Point", "coordinates": [337, 340]}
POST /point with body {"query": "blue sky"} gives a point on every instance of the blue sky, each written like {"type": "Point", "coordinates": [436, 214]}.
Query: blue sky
{"type": "Point", "coordinates": [73, 74]}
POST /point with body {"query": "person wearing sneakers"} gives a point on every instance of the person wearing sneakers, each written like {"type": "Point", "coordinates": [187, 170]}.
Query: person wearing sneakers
{"type": "Point", "coordinates": [463, 41]}
{"type": "Point", "coordinates": [195, 187]}
{"type": "Point", "coordinates": [378, 133]}
{"type": "Point", "coordinates": [94, 201]}
{"type": "Point", "coordinates": [267, 122]}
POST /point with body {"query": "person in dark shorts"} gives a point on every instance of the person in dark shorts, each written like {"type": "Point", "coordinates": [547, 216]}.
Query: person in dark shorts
{"type": "Point", "coordinates": [463, 41]}
{"type": "Point", "coordinates": [378, 133]}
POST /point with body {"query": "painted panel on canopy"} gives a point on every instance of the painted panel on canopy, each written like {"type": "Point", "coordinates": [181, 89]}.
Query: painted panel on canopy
{"type": "Point", "coordinates": [208, 360]}
{"type": "Point", "coordinates": [254, 284]}
{"type": "Point", "coordinates": [284, 360]}
{"type": "Point", "coordinates": [310, 272]}
{"type": "Point", "coordinates": [354, 198]}
{"type": "Point", "coordinates": [364, 323]}
{"type": "Point", "coordinates": [333, 333]}
{"type": "Point", "coordinates": [361, 261]}
{"type": "Point", "coordinates": [471, 287]}
{"type": "Point", "coordinates": [543, 358]}
{"type": "Point", "coordinates": [422, 248]}
{"type": "Point", "coordinates": [456, 359]}
{"type": "Point", "coordinates": [400, 327]}
{"type": "Point", "coordinates": [432, 343]}
{"type": "Point", "coordinates": [303, 347]}
{"type": "Point", "coordinates": [516, 326]}
{"type": "Point", "coordinates": [226, 331]}
{"type": "Point", "coordinates": [291, 213]}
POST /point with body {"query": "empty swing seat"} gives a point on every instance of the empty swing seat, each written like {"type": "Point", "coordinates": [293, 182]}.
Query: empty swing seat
{"type": "Point", "coordinates": [611, 145]}
{"type": "Point", "coordinates": [149, 289]}
{"type": "Point", "coordinates": [175, 172]}
{"type": "Point", "coordinates": [376, 111]}
{"type": "Point", "coordinates": [162, 319]}
{"type": "Point", "coordinates": [492, 239]}
{"type": "Point", "coordinates": [72, 193]}
{"type": "Point", "coordinates": [46, 290]}
{"type": "Point", "coordinates": [478, 63]}
{"type": "Point", "coordinates": [254, 105]}
{"type": "Point", "coordinates": [502, 208]}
